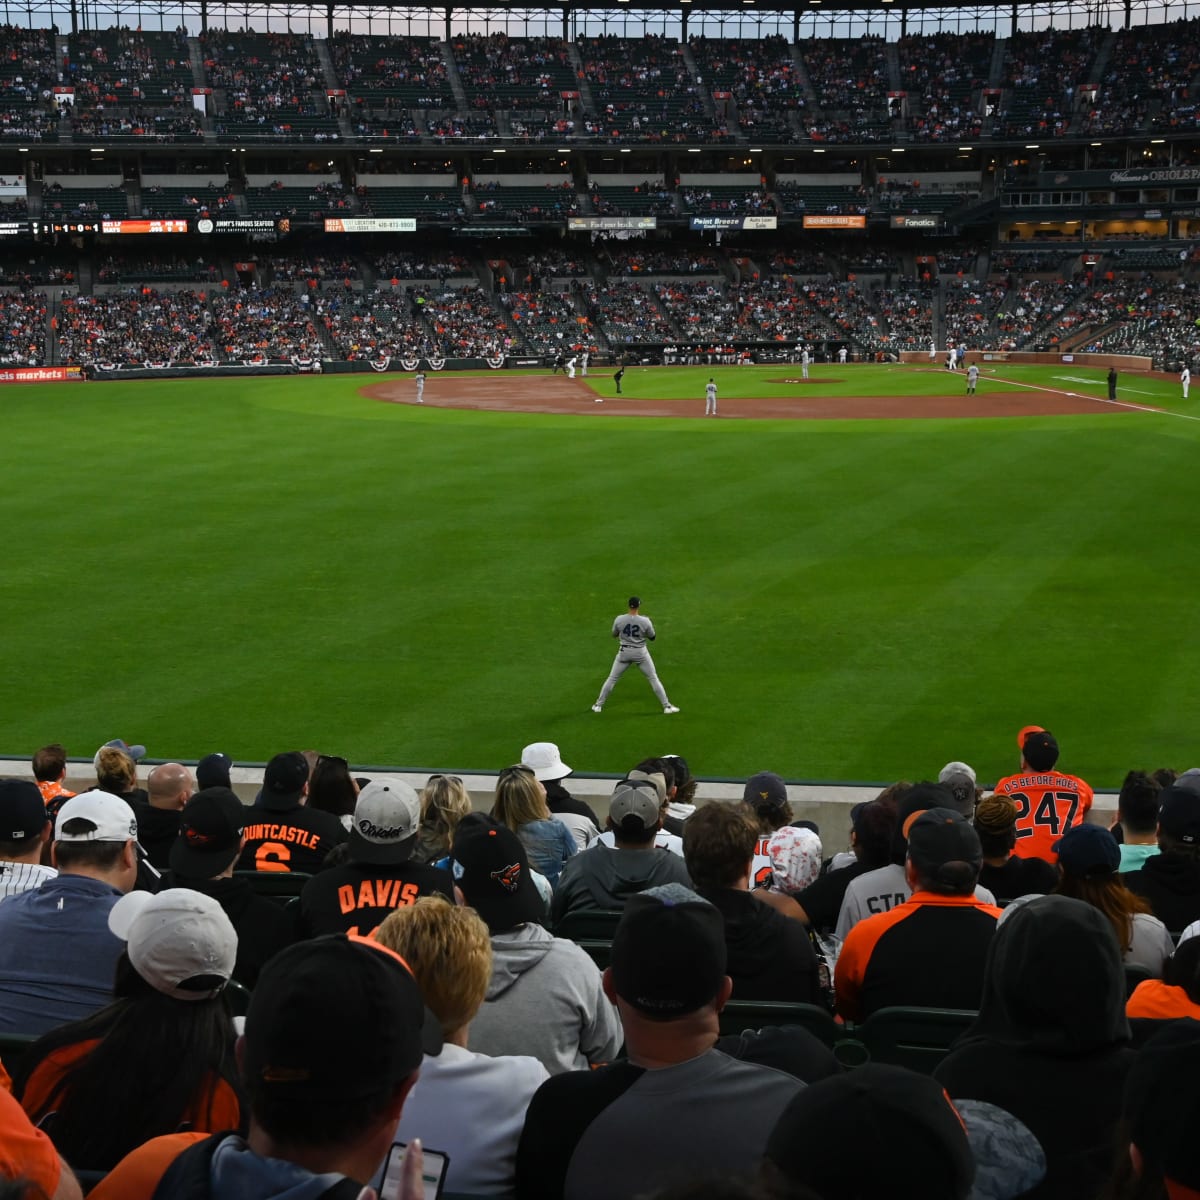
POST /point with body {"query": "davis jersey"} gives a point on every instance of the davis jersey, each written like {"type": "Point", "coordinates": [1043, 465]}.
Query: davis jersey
{"type": "Point", "coordinates": [634, 631]}
{"type": "Point", "coordinates": [1048, 804]}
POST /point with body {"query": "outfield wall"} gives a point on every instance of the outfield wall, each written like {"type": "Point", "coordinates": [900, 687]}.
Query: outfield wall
{"type": "Point", "coordinates": [1029, 358]}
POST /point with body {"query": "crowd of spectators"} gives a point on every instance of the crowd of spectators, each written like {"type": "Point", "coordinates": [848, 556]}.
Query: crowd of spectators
{"type": "Point", "coordinates": [408, 264]}
{"type": "Point", "coordinates": [43, 269]}
{"type": "Point", "coordinates": [273, 324]}
{"type": "Point", "coordinates": [727, 200]}
{"type": "Point", "coordinates": [498, 70]}
{"type": "Point", "coordinates": [798, 260]}
{"type": "Point", "coordinates": [1163, 326]}
{"type": "Point", "coordinates": [373, 68]}
{"type": "Point", "coordinates": [545, 265]}
{"type": "Point", "coordinates": [547, 321]}
{"type": "Point", "coordinates": [851, 83]}
{"type": "Point", "coordinates": [554, 201]}
{"type": "Point", "coordinates": [907, 312]}
{"type": "Point", "coordinates": [702, 312]}
{"type": "Point", "coordinates": [759, 75]}
{"type": "Point", "coordinates": [372, 327]}
{"type": "Point", "coordinates": [649, 198]}
{"type": "Point", "coordinates": [943, 74]}
{"type": "Point", "coordinates": [313, 267]}
{"type": "Point", "coordinates": [772, 310]}
{"type": "Point", "coordinates": [464, 323]}
{"type": "Point", "coordinates": [968, 306]}
{"type": "Point", "coordinates": [455, 127]}
{"type": "Point", "coordinates": [180, 123]}
{"type": "Point", "coordinates": [627, 314]}
{"type": "Point", "coordinates": [1042, 70]}
{"type": "Point", "coordinates": [125, 268]}
{"type": "Point", "coordinates": [137, 327]}
{"type": "Point", "coordinates": [1028, 262]}
{"type": "Point", "coordinates": [201, 201]}
{"type": "Point", "coordinates": [1028, 308]}
{"type": "Point", "coordinates": [22, 330]}
{"type": "Point", "coordinates": [687, 261]}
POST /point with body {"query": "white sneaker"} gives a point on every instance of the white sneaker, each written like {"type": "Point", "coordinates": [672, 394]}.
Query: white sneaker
{"type": "Point", "coordinates": [597, 708]}
{"type": "Point", "coordinates": [599, 399]}
{"type": "Point", "coordinates": [670, 708]}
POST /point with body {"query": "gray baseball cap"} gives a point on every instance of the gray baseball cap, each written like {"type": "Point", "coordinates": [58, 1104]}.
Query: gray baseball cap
{"type": "Point", "coordinates": [638, 800]}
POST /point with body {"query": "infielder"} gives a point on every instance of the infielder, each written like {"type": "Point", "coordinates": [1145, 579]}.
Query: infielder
{"type": "Point", "coordinates": [571, 367]}
{"type": "Point", "coordinates": [804, 361]}
{"type": "Point", "coordinates": [635, 631]}
{"type": "Point", "coordinates": [1185, 380]}
{"type": "Point", "coordinates": [583, 362]}
{"type": "Point", "coordinates": [842, 355]}
{"type": "Point", "coordinates": [420, 378]}
{"type": "Point", "coordinates": [710, 399]}
{"type": "Point", "coordinates": [618, 375]}
{"type": "Point", "coordinates": [972, 378]}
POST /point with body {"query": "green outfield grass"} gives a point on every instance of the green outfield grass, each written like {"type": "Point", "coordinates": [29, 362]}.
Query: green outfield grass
{"type": "Point", "coordinates": [254, 565]}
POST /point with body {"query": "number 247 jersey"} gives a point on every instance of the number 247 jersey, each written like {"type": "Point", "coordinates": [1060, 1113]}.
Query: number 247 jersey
{"type": "Point", "coordinates": [1048, 804]}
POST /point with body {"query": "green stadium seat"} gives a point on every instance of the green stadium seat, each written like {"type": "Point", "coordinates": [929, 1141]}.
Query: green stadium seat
{"type": "Point", "coordinates": [589, 923]}
{"type": "Point", "coordinates": [276, 885]}
{"type": "Point", "coordinates": [740, 1015]}
{"type": "Point", "coordinates": [917, 1038]}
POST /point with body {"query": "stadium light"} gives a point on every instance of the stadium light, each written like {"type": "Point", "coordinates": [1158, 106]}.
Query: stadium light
{"type": "Point", "coordinates": [375, 152]}
{"type": "Point", "coordinates": [625, 150]}
{"type": "Point", "coordinates": [1097, 144]}
{"type": "Point", "coordinates": [1157, 141]}
{"type": "Point", "coordinates": [1034, 146]}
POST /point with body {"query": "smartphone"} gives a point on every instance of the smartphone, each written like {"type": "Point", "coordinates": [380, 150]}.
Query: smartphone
{"type": "Point", "coordinates": [433, 1172]}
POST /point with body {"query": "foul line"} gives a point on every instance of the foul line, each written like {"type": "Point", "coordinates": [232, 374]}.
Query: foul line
{"type": "Point", "coordinates": [1147, 408]}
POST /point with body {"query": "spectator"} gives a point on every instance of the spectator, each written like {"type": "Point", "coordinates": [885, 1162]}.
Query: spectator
{"type": "Point", "coordinates": [444, 802]}
{"type": "Point", "coordinates": [28, 1156]}
{"type": "Point", "coordinates": [1088, 858]}
{"type": "Point", "coordinates": [169, 787]}
{"type": "Point", "coordinates": [1137, 812]}
{"type": "Point", "coordinates": [520, 803]}
{"type": "Point", "coordinates": [24, 831]}
{"type": "Point", "coordinates": [1048, 801]}
{"type": "Point", "coordinates": [677, 1105]}
{"type": "Point", "coordinates": [213, 770]}
{"type": "Point", "coordinates": [116, 773]}
{"type": "Point", "coordinates": [768, 956]}
{"type": "Point", "coordinates": [545, 996]}
{"type": "Point", "coordinates": [334, 1039]}
{"type": "Point", "coordinates": [284, 834]}
{"type": "Point", "coordinates": [1177, 993]}
{"type": "Point", "coordinates": [161, 1054]}
{"type": "Point", "coordinates": [469, 1106]}
{"type": "Point", "coordinates": [1170, 881]}
{"type": "Point", "coordinates": [331, 788]}
{"type": "Point", "coordinates": [1006, 876]}
{"type": "Point", "coordinates": [355, 896]}
{"type": "Point", "coordinates": [654, 771]}
{"type": "Point", "coordinates": [930, 950]}
{"type": "Point", "coordinates": [605, 878]}
{"type": "Point", "coordinates": [203, 857]}
{"type": "Point", "coordinates": [50, 770]}
{"type": "Point", "coordinates": [544, 760]}
{"type": "Point", "coordinates": [1051, 1042]}
{"type": "Point", "coordinates": [680, 804]}
{"type": "Point", "coordinates": [57, 955]}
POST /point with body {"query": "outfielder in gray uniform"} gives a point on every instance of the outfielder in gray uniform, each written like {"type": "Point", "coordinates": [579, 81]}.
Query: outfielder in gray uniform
{"type": "Point", "coordinates": [635, 631]}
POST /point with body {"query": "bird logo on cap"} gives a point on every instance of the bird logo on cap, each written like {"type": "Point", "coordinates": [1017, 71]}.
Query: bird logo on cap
{"type": "Point", "coordinates": [508, 877]}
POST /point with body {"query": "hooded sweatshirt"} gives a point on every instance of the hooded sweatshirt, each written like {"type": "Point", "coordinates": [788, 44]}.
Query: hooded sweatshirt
{"type": "Point", "coordinates": [605, 877]}
{"type": "Point", "coordinates": [157, 830]}
{"type": "Point", "coordinates": [545, 999]}
{"type": "Point", "coordinates": [1051, 1042]}
{"type": "Point", "coordinates": [1171, 883]}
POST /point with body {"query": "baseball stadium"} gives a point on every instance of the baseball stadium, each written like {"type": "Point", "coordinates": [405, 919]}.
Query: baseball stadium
{"type": "Point", "coordinates": [388, 380]}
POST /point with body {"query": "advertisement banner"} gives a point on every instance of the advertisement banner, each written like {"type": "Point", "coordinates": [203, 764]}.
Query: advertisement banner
{"type": "Point", "coordinates": [716, 222]}
{"type": "Point", "coordinates": [243, 225]}
{"type": "Point", "coordinates": [40, 374]}
{"type": "Point", "coordinates": [170, 225]}
{"type": "Point", "coordinates": [16, 229]}
{"type": "Point", "coordinates": [370, 225]}
{"type": "Point", "coordinates": [761, 223]}
{"type": "Point", "coordinates": [915, 221]}
{"type": "Point", "coordinates": [835, 221]}
{"type": "Point", "coordinates": [612, 222]}
{"type": "Point", "coordinates": [1117, 177]}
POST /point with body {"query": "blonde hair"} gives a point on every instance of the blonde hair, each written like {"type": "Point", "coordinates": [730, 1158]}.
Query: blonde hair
{"type": "Point", "coordinates": [116, 772]}
{"type": "Point", "coordinates": [444, 802]}
{"type": "Point", "coordinates": [519, 798]}
{"type": "Point", "coordinates": [449, 952]}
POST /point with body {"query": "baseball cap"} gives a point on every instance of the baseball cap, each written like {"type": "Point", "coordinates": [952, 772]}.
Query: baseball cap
{"type": "Point", "coordinates": [637, 803]}
{"type": "Point", "coordinates": [213, 771]}
{"type": "Point", "coordinates": [210, 834]}
{"type": "Point", "coordinates": [922, 1143]}
{"type": "Point", "coordinates": [384, 825]}
{"type": "Point", "coordinates": [668, 952]}
{"type": "Point", "coordinates": [179, 941]}
{"type": "Point", "coordinates": [1189, 780]}
{"type": "Point", "coordinates": [1040, 749]}
{"type": "Point", "coordinates": [22, 810]}
{"type": "Point", "coordinates": [765, 788]}
{"type": "Point", "coordinates": [284, 780]}
{"type": "Point", "coordinates": [1088, 852]}
{"type": "Point", "coordinates": [1179, 814]}
{"type": "Point", "coordinates": [544, 760]}
{"type": "Point", "coordinates": [1026, 730]}
{"type": "Point", "coordinates": [960, 779]}
{"type": "Point", "coordinates": [112, 820]}
{"type": "Point", "coordinates": [656, 778]}
{"type": "Point", "coordinates": [137, 753]}
{"type": "Point", "coordinates": [943, 845]}
{"type": "Point", "coordinates": [490, 866]}
{"type": "Point", "coordinates": [336, 1018]}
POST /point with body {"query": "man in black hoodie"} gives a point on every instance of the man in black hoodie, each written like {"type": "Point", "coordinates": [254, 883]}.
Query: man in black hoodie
{"type": "Point", "coordinates": [202, 859]}
{"type": "Point", "coordinates": [770, 956]}
{"type": "Point", "coordinates": [1170, 881]}
{"type": "Point", "coordinates": [169, 787]}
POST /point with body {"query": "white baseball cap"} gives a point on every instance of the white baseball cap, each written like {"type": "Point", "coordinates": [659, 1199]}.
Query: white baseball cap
{"type": "Point", "coordinates": [111, 818]}
{"type": "Point", "coordinates": [544, 760]}
{"type": "Point", "coordinates": [179, 941]}
{"type": "Point", "coordinates": [386, 816]}
{"type": "Point", "coordinates": [954, 770]}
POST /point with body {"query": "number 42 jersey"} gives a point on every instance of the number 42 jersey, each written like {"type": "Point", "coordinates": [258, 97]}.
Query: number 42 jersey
{"type": "Point", "coordinates": [1048, 804]}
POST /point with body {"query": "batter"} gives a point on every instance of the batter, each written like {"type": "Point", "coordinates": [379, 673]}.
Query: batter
{"type": "Point", "coordinates": [635, 631]}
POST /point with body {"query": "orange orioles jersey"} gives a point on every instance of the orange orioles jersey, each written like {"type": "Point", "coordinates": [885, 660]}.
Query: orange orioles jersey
{"type": "Point", "coordinates": [1048, 804]}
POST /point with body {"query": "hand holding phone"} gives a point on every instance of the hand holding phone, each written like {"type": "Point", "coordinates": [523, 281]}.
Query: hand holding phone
{"type": "Point", "coordinates": [413, 1173]}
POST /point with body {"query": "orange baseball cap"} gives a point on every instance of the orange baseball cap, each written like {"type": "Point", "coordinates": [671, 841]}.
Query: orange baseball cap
{"type": "Point", "coordinates": [1025, 733]}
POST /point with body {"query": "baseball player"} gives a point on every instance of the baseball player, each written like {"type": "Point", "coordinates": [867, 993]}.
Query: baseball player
{"type": "Point", "coordinates": [583, 362]}
{"type": "Point", "coordinates": [805, 359]}
{"type": "Point", "coordinates": [420, 379]}
{"type": "Point", "coordinates": [635, 631]}
{"type": "Point", "coordinates": [933, 352]}
{"type": "Point", "coordinates": [1185, 379]}
{"type": "Point", "coordinates": [558, 364]}
{"type": "Point", "coordinates": [842, 355]}
{"type": "Point", "coordinates": [617, 377]}
{"type": "Point", "coordinates": [950, 358]}
{"type": "Point", "coordinates": [972, 378]}
{"type": "Point", "coordinates": [571, 367]}
{"type": "Point", "coordinates": [710, 398]}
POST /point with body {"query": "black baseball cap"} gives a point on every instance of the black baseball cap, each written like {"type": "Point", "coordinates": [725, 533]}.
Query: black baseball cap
{"type": "Point", "coordinates": [22, 810]}
{"type": "Point", "coordinates": [765, 789]}
{"type": "Point", "coordinates": [210, 834]}
{"type": "Point", "coordinates": [490, 866]}
{"type": "Point", "coordinates": [943, 846]}
{"type": "Point", "coordinates": [1088, 852]}
{"type": "Point", "coordinates": [335, 1018]}
{"type": "Point", "coordinates": [284, 780]}
{"type": "Point", "coordinates": [668, 952]}
{"type": "Point", "coordinates": [1179, 814]}
{"type": "Point", "coordinates": [213, 771]}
